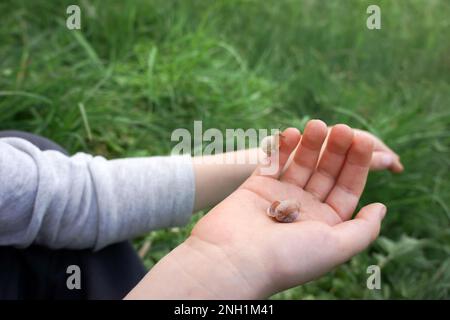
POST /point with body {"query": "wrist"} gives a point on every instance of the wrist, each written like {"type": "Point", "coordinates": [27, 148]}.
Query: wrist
{"type": "Point", "coordinates": [216, 270]}
{"type": "Point", "coordinates": [197, 269]}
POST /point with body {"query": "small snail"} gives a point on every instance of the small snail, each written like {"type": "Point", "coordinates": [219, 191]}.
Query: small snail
{"type": "Point", "coordinates": [284, 211]}
{"type": "Point", "coordinates": [271, 144]}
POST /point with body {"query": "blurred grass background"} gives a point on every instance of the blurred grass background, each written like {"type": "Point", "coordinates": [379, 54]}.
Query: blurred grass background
{"type": "Point", "coordinates": [139, 69]}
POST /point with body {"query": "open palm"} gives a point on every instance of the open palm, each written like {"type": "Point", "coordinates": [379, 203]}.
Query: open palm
{"type": "Point", "coordinates": [273, 256]}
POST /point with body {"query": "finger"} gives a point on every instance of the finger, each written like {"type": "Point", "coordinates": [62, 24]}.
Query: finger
{"type": "Point", "coordinates": [397, 167]}
{"type": "Point", "coordinates": [353, 236]}
{"type": "Point", "coordinates": [382, 160]}
{"type": "Point", "coordinates": [273, 165]}
{"type": "Point", "coordinates": [305, 159]}
{"type": "Point", "coordinates": [379, 146]}
{"type": "Point", "coordinates": [344, 196]}
{"type": "Point", "coordinates": [330, 164]}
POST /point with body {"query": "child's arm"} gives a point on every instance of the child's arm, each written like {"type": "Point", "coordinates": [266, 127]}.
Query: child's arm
{"type": "Point", "coordinates": [214, 182]}
{"type": "Point", "coordinates": [237, 251]}
{"type": "Point", "coordinates": [88, 202]}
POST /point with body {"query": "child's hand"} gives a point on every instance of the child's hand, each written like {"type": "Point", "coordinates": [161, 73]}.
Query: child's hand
{"type": "Point", "coordinates": [237, 251]}
{"type": "Point", "coordinates": [383, 157]}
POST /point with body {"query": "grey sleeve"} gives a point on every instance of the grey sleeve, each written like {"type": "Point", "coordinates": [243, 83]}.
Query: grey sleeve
{"type": "Point", "coordinates": [88, 202]}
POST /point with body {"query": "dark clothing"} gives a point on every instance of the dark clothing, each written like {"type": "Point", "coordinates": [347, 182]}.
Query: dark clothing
{"type": "Point", "coordinates": [37, 272]}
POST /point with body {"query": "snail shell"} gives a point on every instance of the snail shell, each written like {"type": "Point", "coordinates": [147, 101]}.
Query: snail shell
{"type": "Point", "coordinates": [284, 211]}
{"type": "Point", "coordinates": [271, 144]}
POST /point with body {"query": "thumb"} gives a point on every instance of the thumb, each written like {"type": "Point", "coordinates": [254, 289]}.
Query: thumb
{"type": "Point", "coordinates": [357, 234]}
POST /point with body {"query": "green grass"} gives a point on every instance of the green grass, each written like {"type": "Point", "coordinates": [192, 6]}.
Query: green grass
{"type": "Point", "coordinates": [139, 69]}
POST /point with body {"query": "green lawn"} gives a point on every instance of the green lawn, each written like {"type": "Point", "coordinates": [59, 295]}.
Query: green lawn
{"type": "Point", "coordinates": [140, 69]}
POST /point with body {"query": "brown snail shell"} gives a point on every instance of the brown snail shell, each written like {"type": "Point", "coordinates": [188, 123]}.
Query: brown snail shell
{"type": "Point", "coordinates": [270, 144]}
{"type": "Point", "coordinates": [284, 211]}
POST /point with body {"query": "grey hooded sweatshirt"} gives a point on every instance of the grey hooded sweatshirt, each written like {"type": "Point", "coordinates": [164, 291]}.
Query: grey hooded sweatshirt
{"type": "Point", "coordinates": [83, 201]}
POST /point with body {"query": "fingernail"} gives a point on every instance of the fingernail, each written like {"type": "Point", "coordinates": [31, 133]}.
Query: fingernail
{"type": "Point", "coordinates": [383, 210]}
{"type": "Point", "coordinates": [387, 160]}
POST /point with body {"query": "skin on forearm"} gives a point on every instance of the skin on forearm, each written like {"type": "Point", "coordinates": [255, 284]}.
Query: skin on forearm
{"type": "Point", "coordinates": [217, 176]}
{"type": "Point", "coordinates": [195, 270]}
